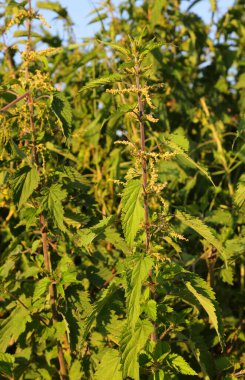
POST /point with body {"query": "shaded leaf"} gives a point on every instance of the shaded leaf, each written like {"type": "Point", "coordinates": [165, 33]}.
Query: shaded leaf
{"type": "Point", "coordinates": [62, 109]}
{"type": "Point", "coordinates": [25, 181]}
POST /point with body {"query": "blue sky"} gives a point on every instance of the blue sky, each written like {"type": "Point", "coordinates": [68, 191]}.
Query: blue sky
{"type": "Point", "coordinates": [79, 12]}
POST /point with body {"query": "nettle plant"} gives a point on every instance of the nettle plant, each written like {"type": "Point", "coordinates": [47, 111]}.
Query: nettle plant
{"type": "Point", "coordinates": [162, 298]}
{"type": "Point", "coordinates": [149, 318]}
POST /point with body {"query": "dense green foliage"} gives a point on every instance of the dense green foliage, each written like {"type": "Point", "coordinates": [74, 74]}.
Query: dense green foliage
{"type": "Point", "coordinates": [122, 194]}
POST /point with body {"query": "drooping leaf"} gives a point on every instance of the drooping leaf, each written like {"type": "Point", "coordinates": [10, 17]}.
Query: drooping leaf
{"type": "Point", "coordinates": [53, 198]}
{"type": "Point", "coordinates": [202, 229]}
{"type": "Point", "coordinates": [98, 306]}
{"type": "Point", "coordinates": [185, 159]}
{"type": "Point", "coordinates": [132, 209]}
{"type": "Point", "coordinates": [117, 47]}
{"type": "Point", "coordinates": [25, 181]}
{"type": "Point", "coordinates": [102, 81]}
{"type": "Point", "coordinates": [62, 109]}
{"type": "Point", "coordinates": [99, 18]}
{"type": "Point", "coordinates": [206, 297]}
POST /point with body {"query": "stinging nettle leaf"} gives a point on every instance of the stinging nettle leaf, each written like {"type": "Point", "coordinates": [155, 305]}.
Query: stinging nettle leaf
{"type": "Point", "coordinates": [135, 279]}
{"type": "Point", "coordinates": [132, 209]}
{"type": "Point", "coordinates": [13, 326]}
{"type": "Point", "coordinates": [131, 344]}
{"type": "Point", "coordinates": [62, 109]}
{"type": "Point", "coordinates": [206, 298]}
{"type": "Point", "coordinates": [185, 159]}
{"type": "Point", "coordinates": [41, 289]}
{"type": "Point", "coordinates": [202, 229]}
{"type": "Point", "coordinates": [25, 181]}
{"type": "Point", "coordinates": [98, 307]}
{"type": "Point", "coordinates": [109, 367]}
{"type": "Point", "coordinates": [101, 81]}
{"type": "Point", "coordinates": [117, 47]}
{"type": "Point", "coordinates": [53, 198]}
{"type": "Point", "coordinates": [180, 365]}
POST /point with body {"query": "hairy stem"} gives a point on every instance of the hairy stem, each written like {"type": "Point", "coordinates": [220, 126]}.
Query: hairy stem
{"type": "Point", "coordinates": [47, 262]}
{"type": "Point", "coordinates": [52, 294]}
{"type": "Point", "coordinates": [144, 175]}
{"type": "Point", "coordinates": [143, 160]}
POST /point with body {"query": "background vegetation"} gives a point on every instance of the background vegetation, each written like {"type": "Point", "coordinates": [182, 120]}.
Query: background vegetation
{"type": "Point", "coordinates": [122, 194]}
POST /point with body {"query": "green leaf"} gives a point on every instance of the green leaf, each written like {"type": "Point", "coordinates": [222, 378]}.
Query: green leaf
{"type": "Point", "coordinates": [53, 198]}
{"type": "Point", "coordinates": [151, 45]}
{"type": "Point", "coordinates": [202, 229]}
{"type": "Point", "coordinates": [241, 82]}
{"type": "Point", "coordinates": [206, 298]}
{"type": "Point", "coordinates": [109, 367]}
{"type": "Point", "coordinates": [113, 237]}
{"type": "Point", "coordinates": [99, 18]}
{"type": "Point", "coordinates": [63, 152]}
{"type": "Point", "coordinates": [13, 326]}
{"type": "Point", "coordinates": [135, 278]}
{"type": "Point", "coordinates": [227, 275]}
{"type": "Point", "coordinates": [117, 47]}
{"type": "Point", "coordinates": [156, 12]}
{"type": "Point", "coordinates": [178, 363]}
{"type": "Point", "coordinates": [131, 344]}
{"type": "Point", "coordinates": [239, 196]}
{"type": "Point", "coordinates": [132, 209]}
{"type": "Point", "coordinates": [25, 181]}
{"type": "Point", "coordinates": [16, 150]}
{"type": "Point", "coordinates": [41, 288]}
{"type": "Point", "coordinates": [50, 5]}
{"type": "Point", "coordinates": [62, 109]}
{"type": "Point", "coordinates": [85, 237]}
{"type": "Point", "coordinates": [75, 371]}
{"type": "Point", "coordinates": [151, 309]}
{"type": "Point", "coordinates": [98, 307]}
{"type": "Point", "coordinates": [184, 159]}
{"type": "Point", "coordinates": [6, 364]}
{"type": "Point", "coordinates": [102, 81]}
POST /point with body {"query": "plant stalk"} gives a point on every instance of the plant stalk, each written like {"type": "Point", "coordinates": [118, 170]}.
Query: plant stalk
{"type": "Point", "coordinates": [143, 160]}
{"type": "Point", "coordinates": [144, 176]}
{"type": "Point", "coordinates": [47, 262]}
